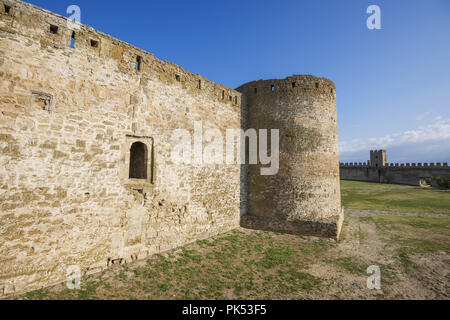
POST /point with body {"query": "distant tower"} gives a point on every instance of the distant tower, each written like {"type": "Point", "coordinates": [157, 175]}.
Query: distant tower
{"type": "Point", "coordinates": [377, 158]}
{"type": "Point", "coordinates": [304, 197]}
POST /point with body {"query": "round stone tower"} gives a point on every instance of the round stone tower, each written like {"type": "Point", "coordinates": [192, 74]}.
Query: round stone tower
{"type": "Point", "coordinates": [304, 196]}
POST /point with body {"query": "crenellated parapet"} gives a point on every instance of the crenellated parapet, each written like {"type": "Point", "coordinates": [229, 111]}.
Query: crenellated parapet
{"type": "Point", "coordinates": [419, 165]}
{"type": "Point", "coordinates": [353, 165]}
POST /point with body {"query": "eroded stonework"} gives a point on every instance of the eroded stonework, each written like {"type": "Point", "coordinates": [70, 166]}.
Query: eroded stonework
{"type": "Point", "coordinates": [74, 120]}
{"type": "Point", "coordinates": [304, 196]}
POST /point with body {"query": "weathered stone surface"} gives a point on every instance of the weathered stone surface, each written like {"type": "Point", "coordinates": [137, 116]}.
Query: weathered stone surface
{"type": "Point", "coordinates": [304, 197]}
{"type": "Point", "coordinates": [70, 118]}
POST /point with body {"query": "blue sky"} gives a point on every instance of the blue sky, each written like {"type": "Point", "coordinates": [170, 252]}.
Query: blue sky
{"type": "Point", "coordinates": [393, 84]}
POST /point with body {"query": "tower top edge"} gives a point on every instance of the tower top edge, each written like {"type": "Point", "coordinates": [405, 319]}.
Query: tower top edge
{"type": "Point", "coordinates": [301, 78]}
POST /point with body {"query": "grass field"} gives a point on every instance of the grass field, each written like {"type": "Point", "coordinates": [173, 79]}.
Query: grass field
{"type": "Point", "coordinates": [392, 197]}
{"type": "Point", "coordinates": [403, 230]}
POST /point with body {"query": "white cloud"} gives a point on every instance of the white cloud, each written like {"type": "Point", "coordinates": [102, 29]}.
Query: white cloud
{"type": "Point", "coordinates": [422, 116]}
{"type": "Point", "coordinates": [436, 134]}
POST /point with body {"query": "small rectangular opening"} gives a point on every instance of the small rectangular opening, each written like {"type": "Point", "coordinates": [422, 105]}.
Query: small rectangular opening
{"type": "Point", "coordinates": [331, 90]}
{"type": "Point", "coordinates": [256, 90]}
{"type": "Point", "coordinates": [293, 84]}
{"type": "Point", "coordinates": [317, 85]}
{"type": "Point", "coordinates": [177, 77]}
{"type": "Point", "coordinates": [53, 29]}
{"type": "Point", "coordinates": [72, 40]}
{"type": "Point", "coordinates": [230, 98]}
{"type": "Point", "coordinates": [272, 88]}
{"type": "Point", "coordinates": [199, 84]}
{"type": "Point", "coordinates": [223, 94]}
{"type": "Point", "coordinates": [235, 100]}
{"type": "Point", "coordinates": [94, 43]}
{"type": "Point", "coordinates": [138, 63]}
{"type": "Point", "coordinates": [7, 9]}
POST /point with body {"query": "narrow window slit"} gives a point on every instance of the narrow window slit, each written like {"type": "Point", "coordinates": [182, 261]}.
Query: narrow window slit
{"type": "Point", "coordinates": [177, 77]}
{"type": "Point", "coordinates": [7, 9]}
{"type": "Point", "coordinates": [72, 40]}
{"type": "Point", "coordinates": [199, 84]}
{"type": "Point", "coordinates": [53, 29]}
{"type": "Point", "coordinates": [138, 63]}
{"type": "Point", "coordinates": [293, 84]}
{"type": "Point", "coordinates": [272, 88]}
{"type": "Point", "coordinates": [317, 85]}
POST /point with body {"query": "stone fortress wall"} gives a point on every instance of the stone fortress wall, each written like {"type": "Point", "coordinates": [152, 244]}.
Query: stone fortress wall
{"type": "Point", "coordinates": [379, 170]}
{"type": "Point", "coordinates": [68, 119]}
{"type": "Point", "coordinates": [86, 177]}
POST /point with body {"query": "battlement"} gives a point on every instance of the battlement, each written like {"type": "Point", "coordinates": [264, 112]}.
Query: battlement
{"type": "Point", "coordinates": [418, 165]}
{"type": "Point", "coordinates": [54, 31]}
{"type": "Point", "coordinates": [353, 164]}
{"type": "Point", "coordinates": [397, 165]}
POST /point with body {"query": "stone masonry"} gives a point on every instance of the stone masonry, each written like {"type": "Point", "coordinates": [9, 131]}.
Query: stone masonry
{"type": "Point", "coordinates": [304, 197]}
{"type": "Point", "coordinates": [377, 169]}
{"type": "Point", "coordinates": [86, 177]}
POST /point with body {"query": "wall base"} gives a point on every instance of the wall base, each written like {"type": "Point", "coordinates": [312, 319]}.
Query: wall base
{"type": "Point", "coordinates": [327, 228]}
